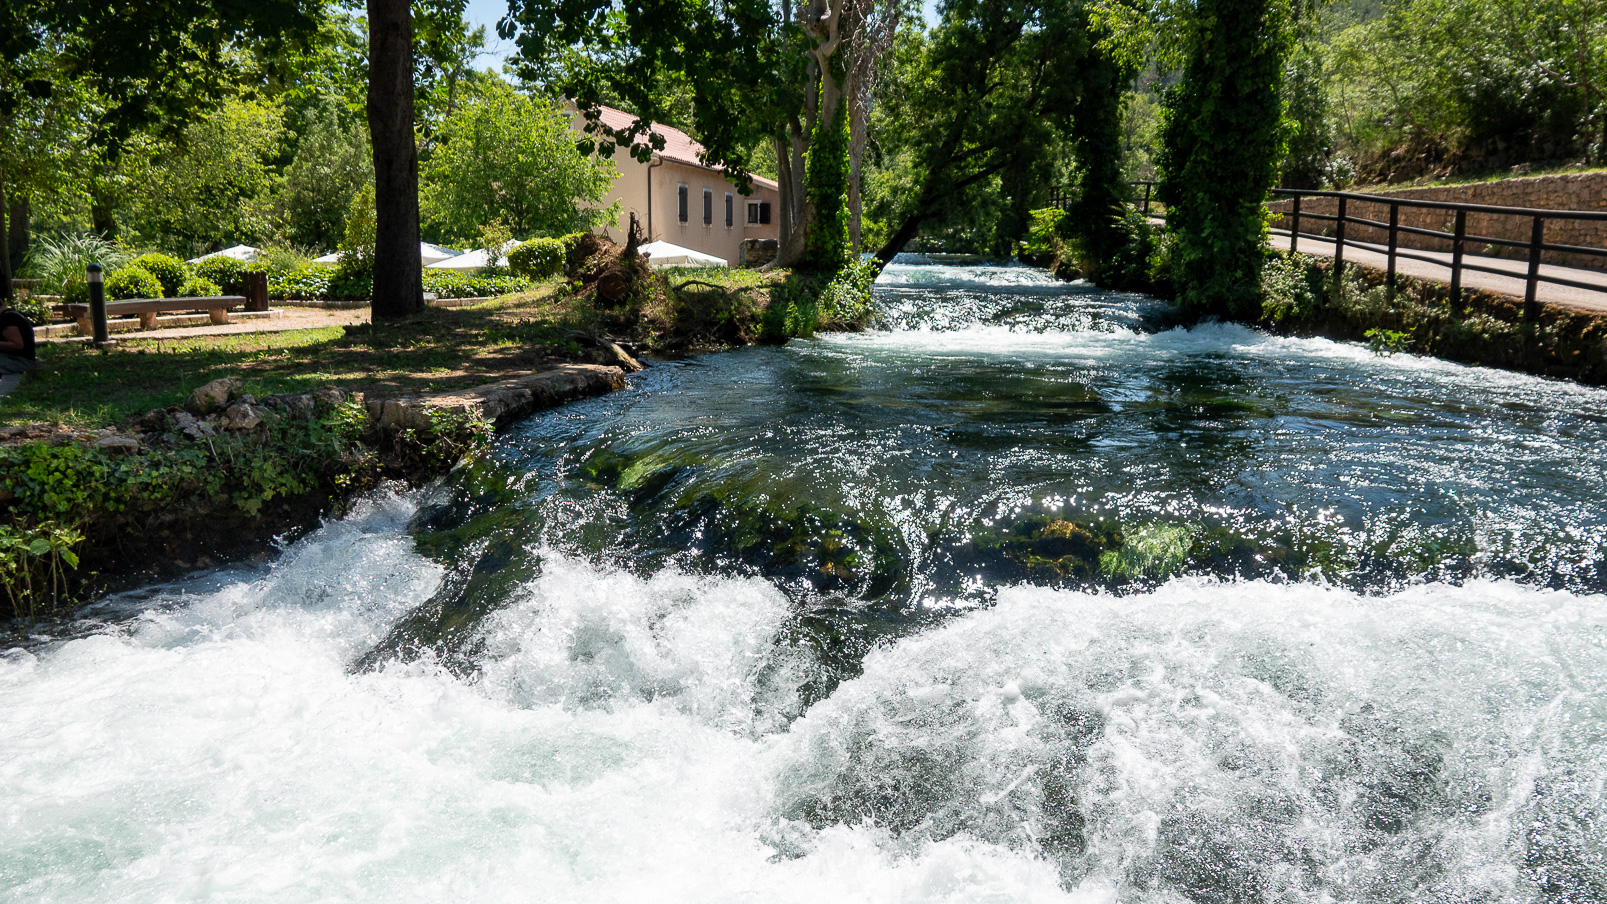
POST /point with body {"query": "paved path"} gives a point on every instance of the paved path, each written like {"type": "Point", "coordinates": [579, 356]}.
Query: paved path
{"type": "Point", "coordinates": [1377, 257]}
{"type": "Point", "coordinates": [293, 319]}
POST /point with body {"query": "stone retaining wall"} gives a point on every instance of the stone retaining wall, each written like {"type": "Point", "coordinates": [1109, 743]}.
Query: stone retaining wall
{"type": "Point", "coordinates": [1575, 191]}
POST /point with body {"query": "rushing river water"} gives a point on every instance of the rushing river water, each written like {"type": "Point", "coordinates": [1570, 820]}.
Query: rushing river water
{"type": "Point", "coordinates": [1020, 597]}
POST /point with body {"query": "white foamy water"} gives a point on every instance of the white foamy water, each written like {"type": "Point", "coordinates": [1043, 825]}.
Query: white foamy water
{"type": "Point", "coordinates": [621, 741]}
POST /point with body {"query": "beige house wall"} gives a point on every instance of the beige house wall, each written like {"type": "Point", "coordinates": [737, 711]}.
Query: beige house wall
{"type": "Point", "coordinates": [660, 220]}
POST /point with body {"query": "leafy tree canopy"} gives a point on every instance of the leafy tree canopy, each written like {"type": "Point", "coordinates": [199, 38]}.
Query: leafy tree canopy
{"type": "Point", "coordinates": [507, 156]}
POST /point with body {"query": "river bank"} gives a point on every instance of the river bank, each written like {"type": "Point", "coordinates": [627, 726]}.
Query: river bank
{"type": "Point", "coordinates": [135, 466]}
{"type": "Point", "coordinates": [1303, 296]}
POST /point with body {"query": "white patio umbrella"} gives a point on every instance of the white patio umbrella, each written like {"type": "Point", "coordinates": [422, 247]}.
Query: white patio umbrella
{"type": "Point", "coordinates": [470, 260]}
{"type": "Point", "coordinates": [664, 254]}
{"type": "Point", "coordinates": [238, 252]}
{"type": "Point", "coordinates": [427, 255]}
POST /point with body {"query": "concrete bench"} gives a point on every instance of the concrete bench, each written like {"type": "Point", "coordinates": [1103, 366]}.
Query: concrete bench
{"type": "Point", "coordinates": [216, 307]}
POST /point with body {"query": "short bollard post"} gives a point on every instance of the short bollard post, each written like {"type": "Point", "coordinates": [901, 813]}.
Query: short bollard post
{"type": "Point", "coordinates": [97, 303]}
{"type": "Point", "coordinates": [256, 286]}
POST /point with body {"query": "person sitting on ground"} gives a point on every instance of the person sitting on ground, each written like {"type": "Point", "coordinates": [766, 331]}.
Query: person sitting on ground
{"type": "Point", "coordinates": [16, 341]}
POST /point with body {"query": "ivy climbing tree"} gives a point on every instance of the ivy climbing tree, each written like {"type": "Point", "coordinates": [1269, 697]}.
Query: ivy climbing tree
{"type": "Point", "coordinates": [1097, 222]}
{"type": "Point", "coordinates": [1221, 145]}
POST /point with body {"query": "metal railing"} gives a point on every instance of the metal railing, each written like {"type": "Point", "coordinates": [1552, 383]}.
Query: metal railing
{"type": "Point", "coordinates": [1459, 237]}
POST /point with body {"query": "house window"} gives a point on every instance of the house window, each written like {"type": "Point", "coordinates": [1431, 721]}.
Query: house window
{"type": "Point", "coordinates": [708, 207]}
{"type": "Point", "coordinates": [753, 213]}
{"type": "Point", "coordinates": [729, 221]}
{"type": "Point", "coordinates": [764, 212]}
{"type": "Point", "coordinates": [680, 192]}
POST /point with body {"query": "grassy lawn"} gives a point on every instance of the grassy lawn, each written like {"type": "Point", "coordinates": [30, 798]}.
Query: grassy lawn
{"type": "Point", "coordinates": [442, 348]}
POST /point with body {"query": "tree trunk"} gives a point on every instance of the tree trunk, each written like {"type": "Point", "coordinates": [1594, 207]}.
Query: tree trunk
{"type": "Point", "coordinates": [102, 213]}
{"type": "Point", "coordinates": [5, 252]}
{"type": "Point", "coordinates": [899, 239]}
{"type": "Point", "coordinates": [21, 232]}
{"type": "Point", "coordinates": [398, 272]}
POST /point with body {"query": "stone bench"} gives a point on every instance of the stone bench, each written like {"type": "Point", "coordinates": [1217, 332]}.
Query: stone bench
{"type": "Point", "coordinates": [216, 307]}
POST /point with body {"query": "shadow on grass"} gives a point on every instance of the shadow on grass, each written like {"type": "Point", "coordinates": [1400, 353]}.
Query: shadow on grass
{"type": "Point", "coordinates": [441, 348]}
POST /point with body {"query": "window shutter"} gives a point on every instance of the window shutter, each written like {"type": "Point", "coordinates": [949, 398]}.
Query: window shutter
{"type": "Point", "coordinates": [729, 217]}
{"type": "Point", "coordinates": [681, 196]}
{"type": "Point", "coordinates": [708, 207]}
{"type": "Point", "coordinates": [764, 212]}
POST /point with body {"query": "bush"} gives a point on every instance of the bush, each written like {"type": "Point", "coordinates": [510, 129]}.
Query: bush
{"type": "Point", "coordinates": [225, 271]}
{"type": "Point", "coordinates": [538, 258]}
{"type": "Point", "coordinates": [446, 284]}
{"type": "Point", "coordinates": [59, 263]}
{"type": "Point", "coordinates": [132, 281]}
{"type": "Point", "coordinates": [302, 283]}
{"type": "Point", "coordinates": [197, 287]}
{"type": "Point", "coordinates": [351, 281]}
{"type": "Point", "coordinates": [32, 308]}
{"type": "Point", "coordinates": [1287, 290]}
{"type": "Point", "coordinates": [575, 251]}
{"type": "Point", "coordinates": [1043, 245]}
{"type": "Point", "coordinates": [845, 302]}
{"type": "Point", "coordinates": [171, 271]}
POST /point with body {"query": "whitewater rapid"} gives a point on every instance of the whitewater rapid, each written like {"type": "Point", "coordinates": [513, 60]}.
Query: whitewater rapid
{"type": "Point", "coordinates": [622, 741]}
{"type": "Point", "coordinates": [751, 630]}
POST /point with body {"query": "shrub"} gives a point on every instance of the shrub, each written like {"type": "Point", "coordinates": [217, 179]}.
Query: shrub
{"type": "Point", "coordinates": [575, 251]}
{"type": "Point", "coordinates": [306, 282]}
{"type": "Point", "coordinates": [60, 263]}
{"type": "Point", "coordinates": [351, 281]}
{"type": "Point", "coordinates": [133, 281]}
{"type": "Point", "coordinates": [225, 271]}
{"type": "Point", "coordinates": [539, 258]}
{"type": "Point", "coordinates": [446, 284]}
{"type": "Point", "coordinates": [197, 287]}
{"type": "Point", "coordinates": [32, 308]}
{"type": "Point", "coordinates": [1043, 244]}
{"type": "Point", "coordinates": [1287, 292]}
{"type": "Point", "coordinates": [845, 302]}
{"type": "Point", "coordinates": [171, 271]}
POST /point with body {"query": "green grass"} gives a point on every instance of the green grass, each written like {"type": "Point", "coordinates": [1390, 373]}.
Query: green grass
{"type": "Point", "coordinates": [443, 348]}
{"type": "Point", "coordinates": [439, 349]}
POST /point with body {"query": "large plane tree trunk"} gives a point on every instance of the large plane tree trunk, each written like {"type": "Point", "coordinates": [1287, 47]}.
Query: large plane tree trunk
{"type": "Point", "coordinates": [398, 272]}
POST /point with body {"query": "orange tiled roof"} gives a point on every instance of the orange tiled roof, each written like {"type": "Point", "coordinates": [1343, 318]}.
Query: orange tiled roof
{"type": "Point", "coordinates": [678, 146]}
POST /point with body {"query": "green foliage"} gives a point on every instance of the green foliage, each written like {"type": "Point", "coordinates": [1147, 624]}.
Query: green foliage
{"type": "Point", "coordinates": [971, 123]}
{"type": "Point", "coordinates": [508, 156]}
{"type": "Point", "coordinates": [226, 272]}
{"type": "Point", "coordinates": [333, 162]}
{"type": "Point", "coordinates": [169, 270]}
{"type": "Point", "coordinates": [493, 238]}
{"type": "Point", "coordinates": [32, 308]}
{"type": "Point", "coordinates": [199, 287]}
{"type": "Point", "coordinates": [1043, 244]}
{"type": "Point", "coordinates": [1289, 289]}
{"type": "Point", "coordinates": [1446, 85]}
{"type": "Point", "coordinates": [846, 300]}
{"type": "Point", "coordinates": [33, 565]}
{"type": "Point", "coordinates": [807, 303]}
{"type": "Point", "coordinates": [302, 283]}
{"type": "Point", "coordinates": [62, 489]}
{"type": "Point", "coordinates": [1388, 342]}
{"type": "Point", "coordinates": [214, 186]}
{"type": "Point", "coordinates": [538, 258]}
{"type": "Point", "coordinates": [826, 166]}
{"type": "Point", "coordinates": [60, 263]}
{"type": "Point", "coordinates": [132, 281]}
{"type": "Point", "coordinates": [446, 284]}
{"type": "Point", "coordinates": [1098, 222]}
{"type": "Point", "coordinates": [1222, 141]}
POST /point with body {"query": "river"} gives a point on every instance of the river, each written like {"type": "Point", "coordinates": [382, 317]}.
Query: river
{"type": "Point", "coordinates": [1021, 596]}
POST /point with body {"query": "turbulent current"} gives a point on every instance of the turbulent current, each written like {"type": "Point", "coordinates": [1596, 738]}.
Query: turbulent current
{"type": "Point", "coordinates": [1020, 596]}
